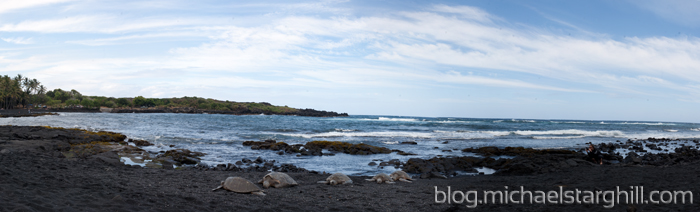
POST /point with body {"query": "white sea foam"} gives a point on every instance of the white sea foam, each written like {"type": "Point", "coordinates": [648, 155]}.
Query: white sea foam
{"type": "Point", "coordinates": [601, 133]}
{"type": "Point", "coordinates": [646, 123]}
{"type": "Point", "coordinates": [665, 134]}
{"type": "Point", "coordinates": [497, 133]}
{"type": "Point", "coordinates": [364, 134]}
{"type": "Point", "coordinates": [344, 130]}
{"type": "Point", "coordinates": [558, 137]}
{"type": "Point", "coordinates": [418, 120]}
{"type": "Point", "coordinates": [568, 122]}
{"type": "Point", "coordinates": [570, 132]}
{"type": "Point", "coordinates": [519, 120]}
{"type": "Point", "coordinates": [395, 119]}
{"type": "Point", "coordinates": [390, 134]}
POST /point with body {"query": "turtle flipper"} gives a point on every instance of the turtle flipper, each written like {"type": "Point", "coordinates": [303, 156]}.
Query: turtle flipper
{"type": "Point", "coordinates": [217, 188]}
{"type": "Point", "coordinates": [259, 193]}
{"type": "Point", "coordinates": [405, 180]}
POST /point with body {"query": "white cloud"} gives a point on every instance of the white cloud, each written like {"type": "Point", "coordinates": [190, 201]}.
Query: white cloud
{"type": "Point", "coordinates": [303, 44]}
{"type": "Point", "coordinates": [18, 40]}
{"type": "Point", "coordinates": [102, 24]}
{"type": "Point", "coordinates": [467, 12]}
{"type": "Point", "coordinates": [142, 38]}
{"type": "Point", "coordinates": [10, 5]}
{"type": "Point", "coordinates": [402, 50]}
{"type": "Point", "coordinates": [684, 12]}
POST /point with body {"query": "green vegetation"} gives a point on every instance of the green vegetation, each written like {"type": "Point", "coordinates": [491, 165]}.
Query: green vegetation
{"type": "Point", "coordinates": [21, 92]}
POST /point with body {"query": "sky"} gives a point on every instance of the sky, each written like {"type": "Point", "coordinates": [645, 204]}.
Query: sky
{"type": "Point", "coordinates": [545, 59]}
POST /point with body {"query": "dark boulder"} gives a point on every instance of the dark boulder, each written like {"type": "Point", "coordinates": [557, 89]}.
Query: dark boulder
{"type": "Point", "coordinates": [632, 158]}
{"type": "Point", "coordinates": [183, 156]}
{"type": "Point", "coordinates": [140, 142]}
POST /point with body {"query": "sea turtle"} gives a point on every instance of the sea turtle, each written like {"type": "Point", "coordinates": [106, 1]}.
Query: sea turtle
{"type": "Point", "coordinates": [277, 180]}
{"type": "Point", "coordinates": [401, 176]}
{"type": "Point", "coordinates": [240, 185]}
{"type": "Point", "coordinates": [381, 178]}
{"type": "Point", "coordinates": [337, 178]}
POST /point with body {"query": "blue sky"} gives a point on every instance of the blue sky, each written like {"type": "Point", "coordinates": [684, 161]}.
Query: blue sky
{"type": "Point", "coordinates": [591, 60]}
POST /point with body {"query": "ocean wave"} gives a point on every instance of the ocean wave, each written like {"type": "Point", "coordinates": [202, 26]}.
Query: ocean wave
{"type": "Point", "coordinates": [525, 121]}
{"type": "Point", "coordinates": [572, 132]}
{"type": "Point", "coordinates": [428, 135]}
{"type": "Point", "coordinates": [568, 122]}
{"type": "Point", "coordinates": [418, 120]}
{"type": "Point", "coordinates": [344, 130]}
{"type": "Point", "coordinates": [453, 122]}
{"type": "Point", "coordinates": [396, 119]}
{"type": "Point", "coordinates": [390, 119]}
{"type": "Point", "coordinates": [364, 134]}
{"type": "Point", "coordinates": [558, 137]}
{"type": "Point", "coordinates": [645, 123]}
{"type": "Point", "coordinates": [665, 134]}
{"type": "Point", "coordinates": [498, 133]}
{"type": "Point", "coordinates": [600, 133]}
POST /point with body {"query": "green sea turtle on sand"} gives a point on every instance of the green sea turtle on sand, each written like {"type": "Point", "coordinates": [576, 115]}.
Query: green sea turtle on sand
{"type": "Point", "coordinates": [401, 176]}
{"type": "Point", "coordinates": [240, 185]}
{"type": "Point", "coordinates": [337, 178]}
{"type": "Point", "coordinates": [381, 178]}
{"type": "Point", "coordinates": [277, 180]}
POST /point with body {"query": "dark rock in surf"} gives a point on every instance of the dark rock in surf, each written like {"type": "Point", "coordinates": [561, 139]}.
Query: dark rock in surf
{"type": "Point", "coordinates": [140, 142]}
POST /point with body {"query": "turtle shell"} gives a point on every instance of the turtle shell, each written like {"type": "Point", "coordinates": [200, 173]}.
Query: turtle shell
{"type": "Point", "coordinates": [240, 185]}
{"type": "Point", "coordinates": [384, 177]}
{"type": "Point", "coordinates": [339, 178]}
{"type": "Point", "coordinates": [400, 175]}
{"type": "Point", "coordinates": [283, 179]}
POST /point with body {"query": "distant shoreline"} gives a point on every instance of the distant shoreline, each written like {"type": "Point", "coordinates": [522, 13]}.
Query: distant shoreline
{"type": "Point", "coordinates": [35, 112]}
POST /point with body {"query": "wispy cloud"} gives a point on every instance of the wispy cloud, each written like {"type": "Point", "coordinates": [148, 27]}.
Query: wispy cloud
{"type": "Point", "coordinates": [307, 46]}
{"type": "Point", "coordinates": [684, 12]}
{"type": "Point", "coordinates": [462, 42]}
{"type": "Point", "coordinates": [6, 6]}
{"type": "Point", "coordinates": [467, 12]}
{"type": "Point", "coordinates": [141, 38]}
{"type": "Point", "coordinates": [18, 40]}
{"type": "Point", "coordinates": [102, 24]}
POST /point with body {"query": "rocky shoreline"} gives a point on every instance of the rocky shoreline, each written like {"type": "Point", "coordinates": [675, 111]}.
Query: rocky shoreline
{"type": "Point", "coordinates": [51, 169]}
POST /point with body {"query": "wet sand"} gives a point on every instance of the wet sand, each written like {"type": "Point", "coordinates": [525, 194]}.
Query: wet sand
{"type": "Point", "coordinates": [35, 176]}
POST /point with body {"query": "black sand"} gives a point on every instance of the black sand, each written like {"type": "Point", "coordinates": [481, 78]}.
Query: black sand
{"type": "Point", "coordinates": [35, 177]}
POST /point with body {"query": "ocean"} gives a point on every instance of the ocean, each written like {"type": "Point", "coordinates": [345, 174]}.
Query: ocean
{"type": "Point", "coordinates": [221, 136]}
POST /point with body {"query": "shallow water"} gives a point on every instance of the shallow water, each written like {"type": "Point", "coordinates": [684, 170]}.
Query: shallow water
{"type": "Point", "coordinates": [221, 136]}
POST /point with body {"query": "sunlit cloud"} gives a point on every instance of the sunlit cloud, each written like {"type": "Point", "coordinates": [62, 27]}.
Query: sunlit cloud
{"type": "Point", "coordinates": [6, 6]}
{"type": "Point", "coordinates": [18, 40]}
{"type": "Point", "coordinates": [332, 49]}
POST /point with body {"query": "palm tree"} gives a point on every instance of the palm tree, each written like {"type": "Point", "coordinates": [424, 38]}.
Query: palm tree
{"type": "Point", "coordinates": [4, 90]}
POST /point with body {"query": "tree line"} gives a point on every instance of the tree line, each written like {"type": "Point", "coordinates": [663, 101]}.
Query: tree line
{"type": "Point", "coordinates": [22, 92]}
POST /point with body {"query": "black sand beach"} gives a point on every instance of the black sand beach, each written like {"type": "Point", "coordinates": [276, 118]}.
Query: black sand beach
{"type": "Point", "coordinates": [36, 176]}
